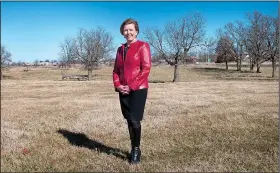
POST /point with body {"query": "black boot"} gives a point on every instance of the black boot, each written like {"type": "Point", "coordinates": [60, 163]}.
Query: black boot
{"type": "Point", "coordinates": [135, 155]}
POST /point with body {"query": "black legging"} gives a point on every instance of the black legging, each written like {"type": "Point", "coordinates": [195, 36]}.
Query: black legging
{"type": "Point", "coordinates": [134, 128]}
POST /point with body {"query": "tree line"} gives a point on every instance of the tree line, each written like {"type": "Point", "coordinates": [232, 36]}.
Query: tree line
{"type": "Point", "coordinates": [256, 38]}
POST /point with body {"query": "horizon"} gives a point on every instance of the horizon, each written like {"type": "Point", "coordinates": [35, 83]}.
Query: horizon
{"type": "Point", "coordinates": [34, 30]}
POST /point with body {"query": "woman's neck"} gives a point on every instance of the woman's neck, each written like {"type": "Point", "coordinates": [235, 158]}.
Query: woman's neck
{"type": "Point", "coordinates": [129, 42]}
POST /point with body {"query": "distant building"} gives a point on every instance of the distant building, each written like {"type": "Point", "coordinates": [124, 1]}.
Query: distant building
{"type": "Point", "coordinates": [26, 64]}
{"type": "Point", "coordinates": [192, 60]}
{"type": "Point", "coordinates": [41, 63]}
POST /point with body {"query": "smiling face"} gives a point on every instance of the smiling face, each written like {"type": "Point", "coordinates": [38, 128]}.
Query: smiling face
{"type": "Point", "coordinates": [129, 32]}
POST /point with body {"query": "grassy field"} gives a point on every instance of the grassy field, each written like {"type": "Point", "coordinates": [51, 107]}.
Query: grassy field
{"type": "Point", "coordinates": [212, 120]}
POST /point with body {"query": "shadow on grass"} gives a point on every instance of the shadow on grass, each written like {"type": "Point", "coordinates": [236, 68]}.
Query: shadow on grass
{"type": "Point", "coordinates": [81, 140]}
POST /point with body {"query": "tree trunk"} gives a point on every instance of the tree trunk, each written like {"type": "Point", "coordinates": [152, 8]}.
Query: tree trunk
{"type": "Point", "coordinates": [237, 62]}
{"type": "Point", "coordinates": [240, 59]}
{"type": "Point", "coordinates": [1, 75]}
{"type": "Point", "coordinates": [226, 65]}
{"type": "Point", "coordinates": [89, 74]}
{"type": "Point", "coordinates": [176, 65]}
{"type": "Point", "coordinates": [252, 65]}
{"type": "Point", "coordinates": [273, 67]}
{"type": "Point", "coordinates": [258, 67]}
{"type": "Point", "coordinates": [185, 55]}
{"type": "Point", "coordinates": [176, 71]}
{"type": "Point", "coordinates": [240, 63]}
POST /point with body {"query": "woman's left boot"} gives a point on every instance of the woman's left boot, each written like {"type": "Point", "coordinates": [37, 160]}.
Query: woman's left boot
{"type": "Point", "coordinates": [135, 155]}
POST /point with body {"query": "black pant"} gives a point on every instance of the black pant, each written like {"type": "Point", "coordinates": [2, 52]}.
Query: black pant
{"type": "Point", "coordinates": [132, 106]}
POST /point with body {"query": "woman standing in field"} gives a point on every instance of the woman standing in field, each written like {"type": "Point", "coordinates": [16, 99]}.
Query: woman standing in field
{"type": "Point", "coordinates": [130, 78]}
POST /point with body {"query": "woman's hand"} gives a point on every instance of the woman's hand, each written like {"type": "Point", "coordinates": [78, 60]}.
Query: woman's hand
{"type": "Point", "coordinates": [124, 89]}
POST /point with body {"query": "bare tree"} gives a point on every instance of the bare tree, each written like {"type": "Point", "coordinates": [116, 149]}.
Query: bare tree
{"type": "Point", "coordinates": [256, 38]}
{"type": "Point", "coordinates": [177, 38]}
{"type": "Point", "coordinates": [92, 46]}
{"type": "Point", "coordinates": [272, 41]}
{"type": "Point", "coordinates": [237, 33]}
{"type": "Point", "coordinates": [67, 53]}
{"type": "Point", "coordinates": [225, 48]}
{"type": "Point", "coordinates": [5, 59]}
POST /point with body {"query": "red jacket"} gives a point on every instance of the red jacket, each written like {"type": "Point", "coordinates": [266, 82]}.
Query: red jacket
{"type": "Point", "coordinates": [135, 69]}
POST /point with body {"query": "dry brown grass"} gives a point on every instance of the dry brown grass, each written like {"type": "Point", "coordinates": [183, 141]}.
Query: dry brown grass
{"type": "Point", "coordinates": [210, 121]}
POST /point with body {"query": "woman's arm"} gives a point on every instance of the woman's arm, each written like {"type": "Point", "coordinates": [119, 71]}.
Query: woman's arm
{"type": "Point", "coordinates": [116, 72]}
